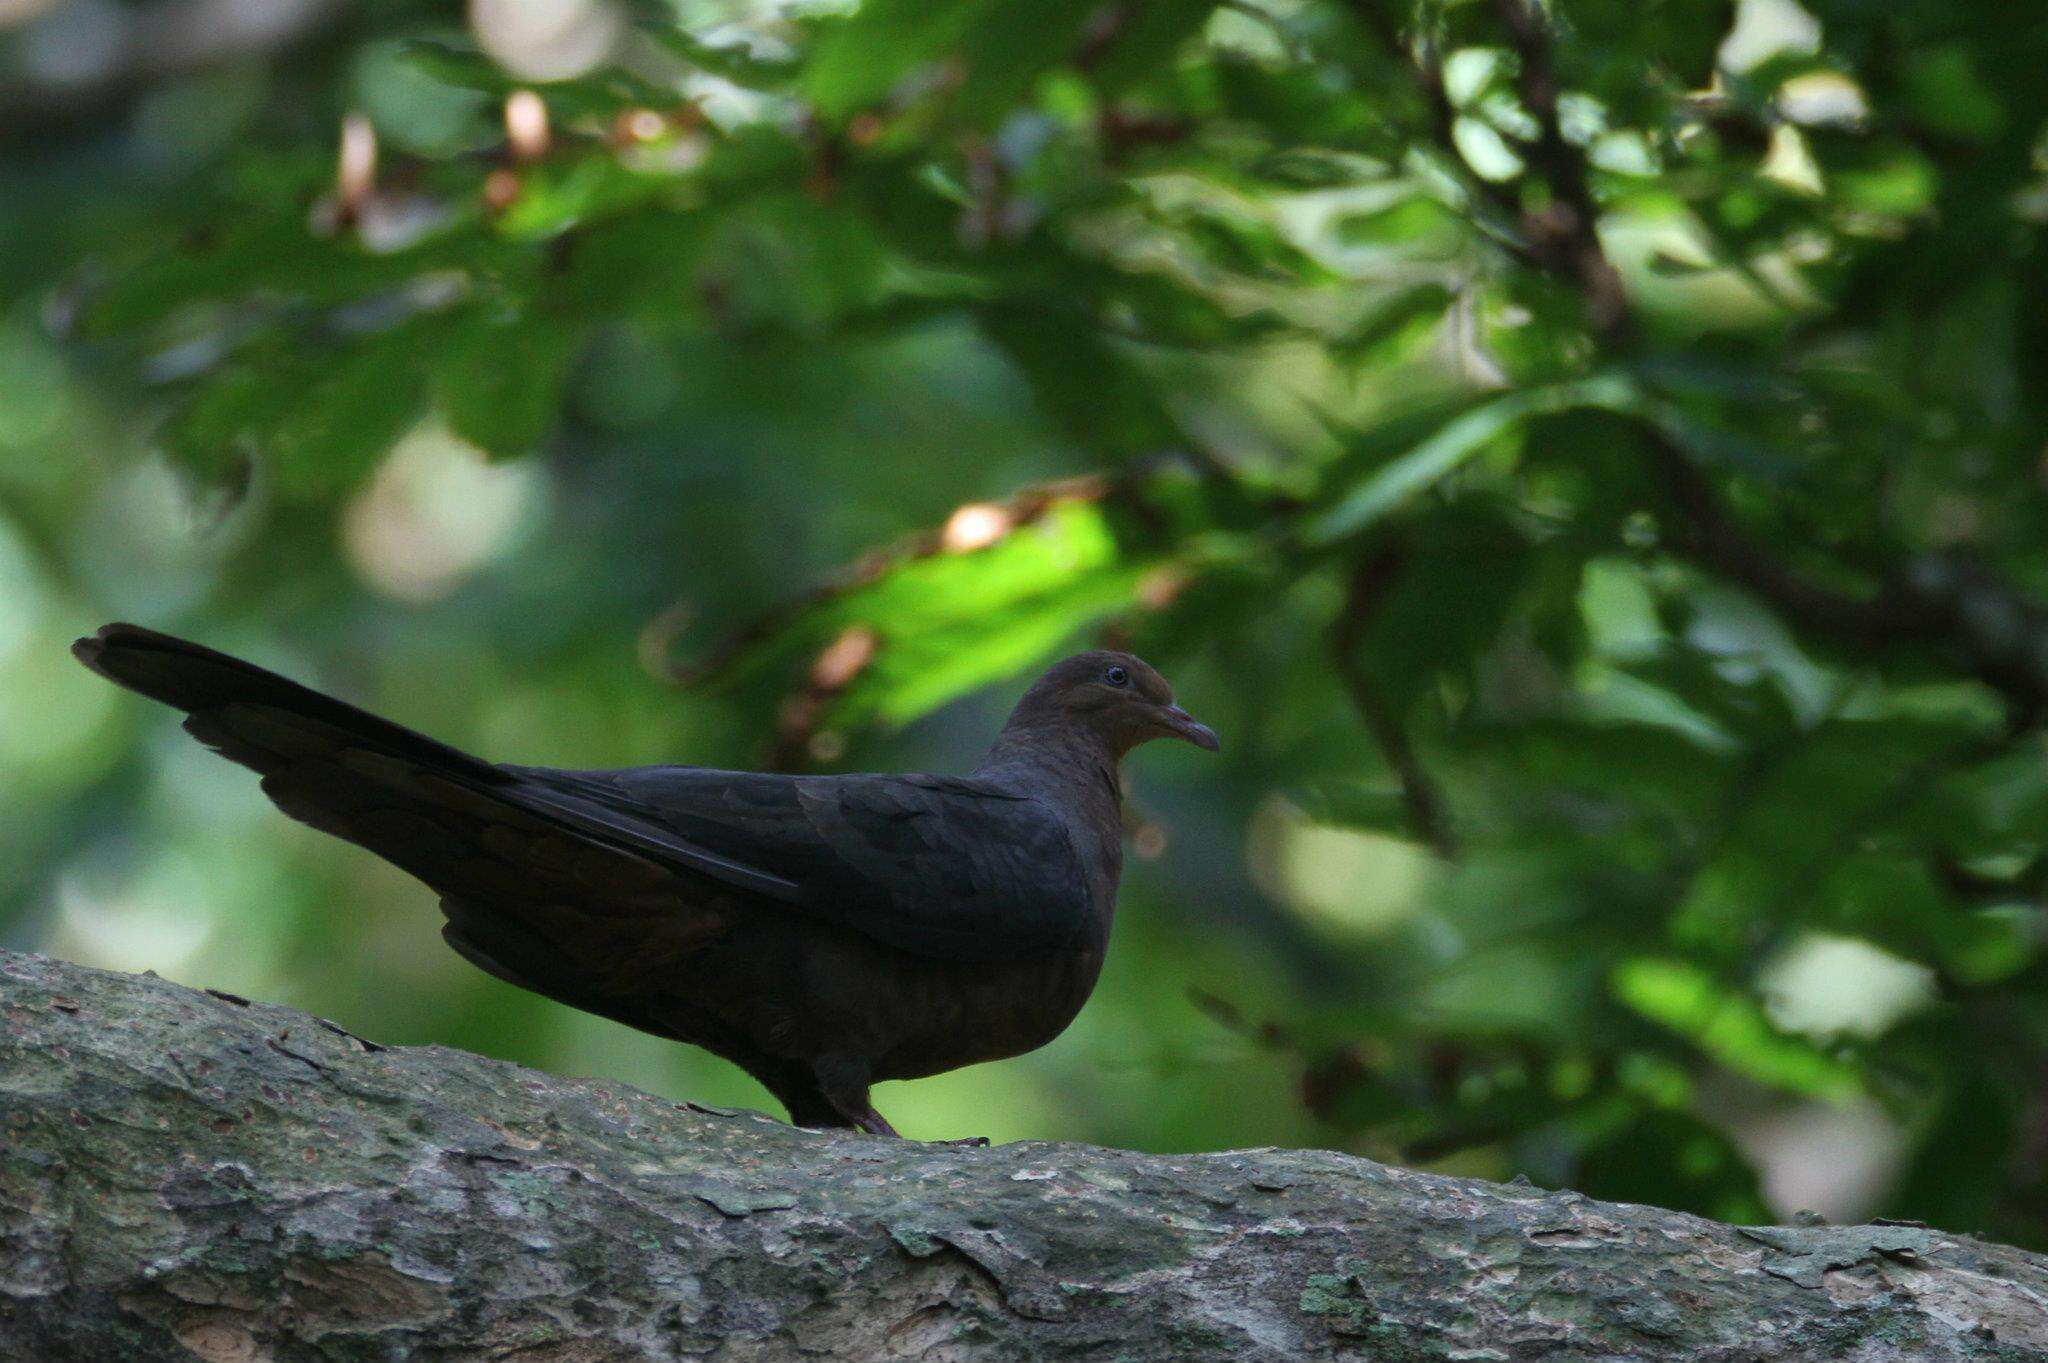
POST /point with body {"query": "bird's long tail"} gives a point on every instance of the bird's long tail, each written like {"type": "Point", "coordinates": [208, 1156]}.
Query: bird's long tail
{"type": "Point", "coordinates": [516, 870]}
{"type": "Point", "coordinates": [235, 706]}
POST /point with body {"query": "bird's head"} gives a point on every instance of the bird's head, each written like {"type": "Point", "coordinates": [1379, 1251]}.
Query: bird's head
{"type": "Point", "coordinates": [1115, 698]}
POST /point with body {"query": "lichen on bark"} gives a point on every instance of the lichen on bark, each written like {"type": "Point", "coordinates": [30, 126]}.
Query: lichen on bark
{"type": "Point", "coordinates": [190, 1176]}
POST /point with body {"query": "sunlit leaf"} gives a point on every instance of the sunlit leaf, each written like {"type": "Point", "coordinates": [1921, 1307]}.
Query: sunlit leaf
{"type": "Point", "coordinates": [1442, 453]}
{"type": "Point", "coordinates": [1730, 1027]}
{"type": "Point", "coordinates": [945, 621]}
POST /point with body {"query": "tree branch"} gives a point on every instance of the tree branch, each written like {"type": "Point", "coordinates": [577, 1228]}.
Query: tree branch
{"type": "Point", "coordinates": [194, 1177]}
{"type": "Point", "coordinates": [1369, 583]}
{"type": "Point", "coordinates": [1944, 601]}
{"type": "Point", "coordinates": [1565, 233]}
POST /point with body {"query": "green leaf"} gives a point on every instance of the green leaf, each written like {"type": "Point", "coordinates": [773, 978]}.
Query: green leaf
{"type": "Point", "coordinates": [456, 64]}
{"type": "Point", "coordinates": [1147, 40]}
{"type": "Point", "coordinates": [554, 199]}
{"type": "Point", "coordinates": [599, 94]}
{"type": "Point", "coordinates": [784, 261]}
{"type": "Point", "coordinates": [1090, 386]}
{"type": "Point", "coordinates": [217, 427]}
{"type": "Point", "coordinates": [946, 622]}
{"type": "Point", "coordinates": [1446, 451]}
{"type": "Point", "coordinates": [1011, 45]}
{"type": "Point", "coordinates": [1824, 793]}
{"type": "Point", "coordinates": [953, 622]}
{"type": "Point", "coordinates": [500, 382]}
{"type": "Point", "coordinates": [1406, 223]}
{"type": "Point", "coordinates": [1410, 312]}
{"type": "Point", "coordinates": [1949, 97]}
{"type": "Point", "coordinates": [319, 418]}
{"type": "Point", "coordinates": [857, 59]}
{"type": "Point", "coordinates": [1462, 574]}
{"type": "Point", "coordinates": [350, 411]}
{"type": "Point", "coordinates": [735, 62]}
{"type": "Point", "coordinates": [1730, 1027]}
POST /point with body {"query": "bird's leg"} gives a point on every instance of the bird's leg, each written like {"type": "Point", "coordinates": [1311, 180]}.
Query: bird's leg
{"type": "Point", "coordinates": [875, 1124]}
{"type": "Point", "coordinates": [844, 1082]}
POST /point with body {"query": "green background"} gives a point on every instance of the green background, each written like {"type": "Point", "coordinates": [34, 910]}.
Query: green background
{"type": "Point", "coordinates": [1587, 464]}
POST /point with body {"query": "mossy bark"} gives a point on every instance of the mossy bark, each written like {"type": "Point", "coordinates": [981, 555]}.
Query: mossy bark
{"type": "Point", "coordinates": [189, 1176]}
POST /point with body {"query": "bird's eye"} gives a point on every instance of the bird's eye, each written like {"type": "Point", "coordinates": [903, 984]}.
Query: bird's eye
{"type": "Point", "coordinates": [1117, 676]}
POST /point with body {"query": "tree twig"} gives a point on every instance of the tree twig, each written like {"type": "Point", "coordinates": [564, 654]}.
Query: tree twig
{"type": "Point", "coordinates": [1368, 587]}
{"type": "Point", "coordinates": [1996, 632]}
{"type": "Point", "coordinates": [1565, 232]}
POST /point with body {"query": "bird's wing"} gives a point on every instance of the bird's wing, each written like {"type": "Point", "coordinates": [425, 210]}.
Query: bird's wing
{"type": "Point", "coordinates": [939, 866]}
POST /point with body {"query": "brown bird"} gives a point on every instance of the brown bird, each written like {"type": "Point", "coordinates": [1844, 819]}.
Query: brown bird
{"type": "Point", "coordinates": [821, 932]}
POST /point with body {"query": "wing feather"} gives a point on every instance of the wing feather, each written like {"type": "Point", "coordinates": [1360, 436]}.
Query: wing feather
{"type": "Point", "coordinates": [937, 866]}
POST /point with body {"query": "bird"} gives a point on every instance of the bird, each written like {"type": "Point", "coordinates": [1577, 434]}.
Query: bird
{"type": "Point", "coordinates": [822, 932]}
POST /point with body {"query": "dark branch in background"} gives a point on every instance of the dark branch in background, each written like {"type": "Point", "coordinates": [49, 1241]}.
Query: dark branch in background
{"type": "Point", "coordinates": [1432, 1077]}
{"type": "Point", "coordinates": [1368, 587]}
{"type": "Point", "coordinates": [1503, 217]}
{"type": "Point", "coordinates": [800, 734]}
{"type": "Point", "coordinates": [1564, 233]}
{"type": "Point", "coordinates": [1327, 1073]}
{"type": "Point", "coordinates": [1944, 601]}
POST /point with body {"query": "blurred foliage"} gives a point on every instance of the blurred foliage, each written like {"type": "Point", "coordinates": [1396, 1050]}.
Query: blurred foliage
{"type": "Point", "coordinates": [1588, 464]}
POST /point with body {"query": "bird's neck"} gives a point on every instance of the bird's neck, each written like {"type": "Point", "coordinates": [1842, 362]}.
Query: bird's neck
{"type": "Point", "coordinates": [1070, 764]}
{"type": "Point", "coordinates": [1078, 773]}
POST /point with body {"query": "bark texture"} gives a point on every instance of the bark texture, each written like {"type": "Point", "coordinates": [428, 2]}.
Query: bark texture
{"type": "Point", "coordinates": [190, 1176]}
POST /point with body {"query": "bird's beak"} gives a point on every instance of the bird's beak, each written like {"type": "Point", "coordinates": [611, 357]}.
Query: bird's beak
{"type": "Point", "coordinates": [1181, 724]}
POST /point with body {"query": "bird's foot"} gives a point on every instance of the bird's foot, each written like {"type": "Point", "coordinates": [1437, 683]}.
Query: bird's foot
{"type": "Point", "coordinates": [965, 1142]}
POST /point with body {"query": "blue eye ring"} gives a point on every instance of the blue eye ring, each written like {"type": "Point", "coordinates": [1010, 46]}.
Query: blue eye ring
{"type": "Point", "coordinates": [1117, 676]}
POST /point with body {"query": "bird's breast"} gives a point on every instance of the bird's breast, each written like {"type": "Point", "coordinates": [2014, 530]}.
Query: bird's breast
{"type": "Point", "coordinates": [989, 1010]}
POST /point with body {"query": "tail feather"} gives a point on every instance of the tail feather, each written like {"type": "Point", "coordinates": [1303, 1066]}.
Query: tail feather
{"type": "Point", "coordinates": [253, 716]}
{"type": "Point", "coordinates": [462, 825]}
{"type": "Point", "coordinates": [587, 906]}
